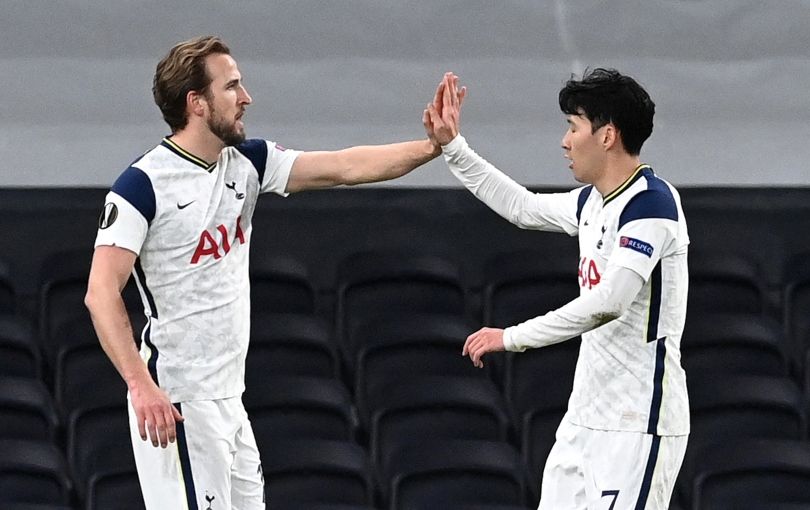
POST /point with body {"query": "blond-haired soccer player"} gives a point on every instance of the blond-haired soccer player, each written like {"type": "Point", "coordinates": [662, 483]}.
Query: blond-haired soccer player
{"type": "Point", "coordinates": [180, 219]}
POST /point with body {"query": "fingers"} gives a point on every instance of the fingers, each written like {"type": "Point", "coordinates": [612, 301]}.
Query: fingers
{"type": "Point", "coordinates": [141, 424]}
{"type": "Point", "coordinates": [474, 346]}
{"type": "Point", "coordinates": [461, 95]}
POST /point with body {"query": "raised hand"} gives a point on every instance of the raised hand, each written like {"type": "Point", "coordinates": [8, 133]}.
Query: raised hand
{"type": "Point", "coordinates": [442, 117]}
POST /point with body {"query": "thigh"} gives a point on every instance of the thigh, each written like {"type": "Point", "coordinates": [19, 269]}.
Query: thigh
{"type": "Point", "coordinates": [628, 470]}
{"type": "Point", "coordinates": [563, 485]}
{"type": "Point", "coordinates": [192, 472]}
{"type": "Point", "coordinates": [247, 488]}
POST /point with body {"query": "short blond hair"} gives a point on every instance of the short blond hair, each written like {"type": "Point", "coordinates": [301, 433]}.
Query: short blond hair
{"type": "Point", "coordinates": [181, 71]}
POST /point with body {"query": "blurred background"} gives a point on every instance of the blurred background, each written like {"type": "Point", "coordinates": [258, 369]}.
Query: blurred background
{"type": "Point", "coordinates": [728, 77]}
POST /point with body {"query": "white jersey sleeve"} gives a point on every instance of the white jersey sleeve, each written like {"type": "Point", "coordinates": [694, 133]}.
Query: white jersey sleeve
{"type": "Point", "coordinates": [272, 161]}
{"type": "Point", "coordinates": [128, 209]}
{"type": "Point", "coordinates": [648, 226]}
{"type": "Point", "coordinates": [554, 212]}
{"type": "Point", "coordinates": [615, 293]}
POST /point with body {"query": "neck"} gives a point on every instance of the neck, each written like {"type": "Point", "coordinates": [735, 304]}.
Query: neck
{"type": "Point", "coordinates": [201, 143]}
{"type": "Point", "coordinates": [618, 169]}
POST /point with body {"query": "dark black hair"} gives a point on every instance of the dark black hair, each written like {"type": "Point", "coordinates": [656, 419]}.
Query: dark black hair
{"type": "Point", "coordinates": [607, 96]}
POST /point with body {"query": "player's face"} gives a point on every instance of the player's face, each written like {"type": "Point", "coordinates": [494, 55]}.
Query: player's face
{"type": "Point", "coordinates": [583, 148]}
{"type": "Point", "coordinates": [227, 99]}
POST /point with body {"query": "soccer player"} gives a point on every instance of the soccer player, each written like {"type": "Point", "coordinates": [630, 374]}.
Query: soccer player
{"type": "Point", "coordinates": [180, 220]}
{"type": "Point", "coordinates": [623, 438]}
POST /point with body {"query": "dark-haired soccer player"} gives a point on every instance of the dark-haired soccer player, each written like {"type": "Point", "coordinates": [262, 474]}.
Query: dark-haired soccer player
{"type": "Point", "coordinates": [623, 438]}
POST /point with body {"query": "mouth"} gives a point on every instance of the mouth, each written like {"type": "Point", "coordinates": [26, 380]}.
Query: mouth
{"type": "Point", "coordinates": [571, 164]}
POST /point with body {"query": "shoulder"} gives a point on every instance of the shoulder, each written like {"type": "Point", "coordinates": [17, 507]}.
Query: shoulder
{"type": "Point", "coordinates": [656, 201]}
{"type": "Point", "coordinates": [135, 186]}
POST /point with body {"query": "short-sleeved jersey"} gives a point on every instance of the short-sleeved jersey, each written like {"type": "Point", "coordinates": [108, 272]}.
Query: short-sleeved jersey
{"type": "Point", "coordinates": [629, 376]}
{"type": "Point", "coordinates": [190, 224]}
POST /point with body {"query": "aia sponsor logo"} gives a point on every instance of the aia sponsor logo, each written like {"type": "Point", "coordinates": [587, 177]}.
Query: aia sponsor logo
{"type": "Point", "coordinates": [218, 243]}
{"type": "Point", "coordinates": [588, 273]}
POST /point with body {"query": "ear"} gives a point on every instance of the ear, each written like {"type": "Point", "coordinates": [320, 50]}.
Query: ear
{"type": "Point", "coordinates": [610, 136]}
{"type": "Point", "coordinates": [196, 103]}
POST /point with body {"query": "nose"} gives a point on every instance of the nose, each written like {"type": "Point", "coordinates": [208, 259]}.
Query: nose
{"type": "Point", "coordinates": [565, 142]}
{"type": "Point", "coordinates": [244, 96]}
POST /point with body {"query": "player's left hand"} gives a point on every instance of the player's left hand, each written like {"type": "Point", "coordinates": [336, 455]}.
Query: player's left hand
{"type": "Point", "coordinates": [481, 342]}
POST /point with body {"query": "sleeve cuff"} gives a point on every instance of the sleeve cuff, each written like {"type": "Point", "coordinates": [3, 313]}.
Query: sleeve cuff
{"type": "Point", "coordinates": [456, 145]}
{"type": "Point", "coordinates": [508, 341]}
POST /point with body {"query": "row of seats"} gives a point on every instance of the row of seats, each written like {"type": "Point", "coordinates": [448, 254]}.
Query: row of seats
{"type": "Point", "coordinates": [373, 286]}
{"type": "Point", "coordinates": [320, 444]}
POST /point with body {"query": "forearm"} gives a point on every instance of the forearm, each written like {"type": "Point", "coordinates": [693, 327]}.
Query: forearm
{"type": "Point", "coordinates": [498, 191]}
{"type": "Point", "coordinates": [610, 299]}
{"type": "Point", "coordinates": [114, 331]}
{"type": "Point", "coordinates": [375, 163]}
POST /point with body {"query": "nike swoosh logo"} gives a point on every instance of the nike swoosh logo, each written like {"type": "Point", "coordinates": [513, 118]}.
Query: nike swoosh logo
{"type": "Point", "coordinates": [183, 206]}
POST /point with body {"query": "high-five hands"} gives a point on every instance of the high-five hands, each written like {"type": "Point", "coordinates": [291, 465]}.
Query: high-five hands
{"type": "Point", "coordinates": [481, 342]}
{"type": "Point", "coordinates": [442, 117]}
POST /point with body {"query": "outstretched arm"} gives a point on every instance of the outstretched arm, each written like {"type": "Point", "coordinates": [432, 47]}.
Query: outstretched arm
{"type": "Point", "coordinates": [358, 165]}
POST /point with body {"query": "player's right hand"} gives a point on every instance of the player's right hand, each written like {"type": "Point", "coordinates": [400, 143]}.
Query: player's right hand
{"type": "Point", "coordinates": [155, 413]}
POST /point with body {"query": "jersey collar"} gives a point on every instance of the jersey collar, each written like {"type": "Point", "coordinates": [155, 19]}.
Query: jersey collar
{"type": "Point", "coordinates": [637, 173]}
{"type": "Point", "coordinates": [169, 144]}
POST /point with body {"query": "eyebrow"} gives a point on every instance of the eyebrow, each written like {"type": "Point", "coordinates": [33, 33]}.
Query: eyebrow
{"type": "Point", "coordinates": [232, 82]}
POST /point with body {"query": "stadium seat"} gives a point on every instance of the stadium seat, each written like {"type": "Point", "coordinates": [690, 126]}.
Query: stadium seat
{"type": "Point", "coordinates": [408, 348]}
{"type": "Point", "coordinates": [8, 295]}
{"type": "Point", "coordinates": [757, 473]}
{"type": "Point", "coordinates": [290, 344]}
{"type": "Point", "coordinates": [35, 506]}
{"type": "Point", "coordinates": [62, 287]}
{"type": "Point", "coordinates": [520, 285]}
{"type": "Point", "coordinates": [95, 433]}
{"type": "Point", "coordinates": [19, 352]}
{"type": "Point", "coordinates": [27, 410]}
{"type": "Point", "coordinates": [85, 375]}
{"type": "Point", "coordinates": [796, 319]}
{"type": "Point", "coordinates": [32, 472]}
{"type": "Point", "coordinates": [280, 284]}
{"type": "Point", "coordinates": [538, 434]}
{"type": "Point", "coordinates": [435, 407]}
{"type": "Point", "coordinates": [452, 473]}
{"type": "Point", "coordinates": [724, 343]}
{"type": "Point", "coordinates": [296, 407]}
{"type": "Point", "coordinates": [540, 378]}
{"type": "Point", "coordinates": [378, 284]}
{"type": "Point", "coordinates": [316, 471]}
{"type": "Point", "coordinates": [113, 484]}
{"type": "Point", "coordinates": [722, 282]}
{"type": "Point", "coordinates": [736, 409]}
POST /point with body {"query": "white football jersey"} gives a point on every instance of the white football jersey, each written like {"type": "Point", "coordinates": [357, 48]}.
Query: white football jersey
{"type": "Point", "coordinates": [190, 224]}
{"type": "Point", "coordinates": [628, 376]}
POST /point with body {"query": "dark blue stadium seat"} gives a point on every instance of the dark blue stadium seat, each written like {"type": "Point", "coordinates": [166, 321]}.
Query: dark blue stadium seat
{"type": "Point", "coordinates": [737, 409]}
{"type": "Point", "coordinates": [317, 471]}
{"type": "Point", "coordinates": [296, 407]}
{"type": "Point", "coordinates": [435, 407]}
{"type": "Point", "coordinates": [8, 294]}
{"type": "Point", "coordinates": [280, 284]}
{"type": "Point", "coordinates": [722, 282]}
{"type": "Point", "coordinates": [85, 375]}
{"type": "Point", "coordinates": [796, 303]}
{"type": "Point", "coordinates": [408, 348]}
{"type": "Point", "coordinates": [452, 473]}
{"type": "Point", "coordinates": [716, 344]}
{"type": "Point", "coordinates": [375, 284]}
{"type": "Point", "coordinates": [757, 473]}
{"type": "Point", "coordinates": [27, 410]}
{"type": "Point", "coordinates": [520, 285]}
{"type": "Point", "coordinates": [19, 352]}
{"type": "Point", "coordinates": [33, 472]}
{"type": "Point", "coordinates": [290, 344]}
